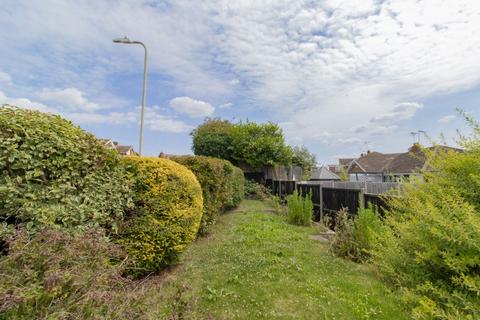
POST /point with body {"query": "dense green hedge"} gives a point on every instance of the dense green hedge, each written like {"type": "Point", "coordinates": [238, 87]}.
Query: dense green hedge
{"type": "Point", "coordinates": [222, 185]}
{"type": "Point", "coordinates": [54, 174]}
{"type": "Point", "coordinates": [167, 214]}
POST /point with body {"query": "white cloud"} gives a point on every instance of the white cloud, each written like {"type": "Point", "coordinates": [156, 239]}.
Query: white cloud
{"type": "Point", "coordinates": [447, 119]}
{"type": "Point", "coordinates": [68, 97]}
{"type": "Point", "coordinates": [114, 118]}
{"type": "Point", "coordinates": [25, 103]}
{"type": "Point", "coordinates": [401, 111]}
{"type": "Point", "coordinates": [162, 123]}
{"type": "Point", "coordinates": [353, 140]}
{"type": "Point", "coordinates": [225, 105]}
{"type": "Point", "coordinates": [191, 107]}
{"type": "Point", "coordinates": [5, 77]}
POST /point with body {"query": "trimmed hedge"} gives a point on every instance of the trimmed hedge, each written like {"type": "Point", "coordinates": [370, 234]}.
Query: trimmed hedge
{"type": "Point", "coordinates": [167, 215]}
{"type": "Point", "coordinates": [220, 182]}
{"type": "Point", "coordinates": [54, 174]}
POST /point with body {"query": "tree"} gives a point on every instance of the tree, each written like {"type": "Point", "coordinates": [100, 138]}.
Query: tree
{"type": "Point", "coordinates": [213, 138]}
{"type": "Point", "coordinates": [251, 143]}
{"type": "Point", "coordinates": [260, 144]}
{"type": "Point", "coordinates": [304, 159]}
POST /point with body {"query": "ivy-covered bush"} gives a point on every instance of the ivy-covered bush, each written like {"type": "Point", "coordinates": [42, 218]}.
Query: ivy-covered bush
{"type": "Point", "coordinates": [220, 185]}
{"type": "Point", "coordinates": [167, 214]}
{"type": "Point", "coordinates": [54, 174]}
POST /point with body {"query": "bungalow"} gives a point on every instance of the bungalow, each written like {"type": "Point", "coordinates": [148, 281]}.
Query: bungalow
{"type": "Point", "coordinates": [390, 167]}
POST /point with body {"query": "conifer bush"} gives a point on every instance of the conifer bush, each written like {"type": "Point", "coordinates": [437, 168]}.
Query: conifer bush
{"type": "Point", "coordinates": [167, 214]}
{"type": "Point", "coordinates": [54, 174]}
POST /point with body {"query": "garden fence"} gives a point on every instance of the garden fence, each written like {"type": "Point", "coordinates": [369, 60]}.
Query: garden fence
{"type": "Point", "coordinates": [329, 197]}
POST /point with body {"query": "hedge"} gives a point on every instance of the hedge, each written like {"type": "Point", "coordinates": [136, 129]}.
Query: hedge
{"type": "Point", "coordinates": [167, 214]}
{"type": "Point", "coordinates": [54, 174]}
{"type": "Point", "coordinates": [220, 182]}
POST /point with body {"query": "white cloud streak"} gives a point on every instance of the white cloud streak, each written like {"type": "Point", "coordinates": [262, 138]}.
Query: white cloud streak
{"type": "Point", "coordinates": [193, 108]}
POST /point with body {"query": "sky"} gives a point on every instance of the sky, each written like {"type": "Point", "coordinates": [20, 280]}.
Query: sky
{"type": "Point", "coordinates": [340, 77]}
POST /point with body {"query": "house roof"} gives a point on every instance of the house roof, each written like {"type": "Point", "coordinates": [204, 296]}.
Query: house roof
{"type": "Point", "coordinates": [345, 161]}
{"type": "Point", "coordinates": [322, 173]}
{"type": "Point", "coordinates": [123, 149]}
{"type": "Point", "coordinates": [373, 162]}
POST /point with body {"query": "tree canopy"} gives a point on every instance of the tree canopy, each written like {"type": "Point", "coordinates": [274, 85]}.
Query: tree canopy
{"type": "Point", "coordinates": [247, 142]}
{"type": "Point", "coordinates": [303, 158]}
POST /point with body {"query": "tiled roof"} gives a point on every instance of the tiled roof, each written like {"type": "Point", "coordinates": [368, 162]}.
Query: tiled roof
{"type": "Point", "coordinates": [323, 173]}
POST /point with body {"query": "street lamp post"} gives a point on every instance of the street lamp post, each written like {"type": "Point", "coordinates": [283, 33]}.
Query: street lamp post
{"type": "Point", "coordinates": [126, 40]}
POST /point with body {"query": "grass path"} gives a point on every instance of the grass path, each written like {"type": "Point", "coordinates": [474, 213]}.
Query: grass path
{"type": "Point", "coordinates": [256, 266]}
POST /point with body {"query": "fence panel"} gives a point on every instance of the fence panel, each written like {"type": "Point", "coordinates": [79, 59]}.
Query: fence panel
{"type": "Point", "coordinates": [335, 199]}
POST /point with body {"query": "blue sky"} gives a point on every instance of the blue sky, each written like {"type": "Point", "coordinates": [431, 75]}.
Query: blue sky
{"type": "Point", "coordinates": [339, 76]}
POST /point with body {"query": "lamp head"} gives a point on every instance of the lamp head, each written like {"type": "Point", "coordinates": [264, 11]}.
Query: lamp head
{"type": "Point", "coordinates": [125, 39]}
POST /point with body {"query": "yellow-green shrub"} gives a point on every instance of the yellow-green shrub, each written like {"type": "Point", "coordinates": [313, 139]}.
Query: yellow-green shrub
{"type": "Point", "coordinates": [167, 214]}
{"type": "Point", "coordinates": [220, 185]}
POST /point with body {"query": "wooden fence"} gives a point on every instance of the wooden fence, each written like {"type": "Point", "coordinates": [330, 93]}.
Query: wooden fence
{"type": "Point", "coordinates": [328, 198]}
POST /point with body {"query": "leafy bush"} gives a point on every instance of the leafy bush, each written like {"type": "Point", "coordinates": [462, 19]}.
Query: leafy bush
{"type": "Point", "coordinates": [300, 209]}
{"type": "Point", "coordinates": [219, 181]}
{"type": "Point", "coordinates": [355, 237]}
{"type": "Point", "coordinates": [431, 248]}
{"type": "Point", "coordinates": [55, 275]}
{"type": "Point", "coordinates": [235, 187]}
{"type": "Point", "coordinates": [256, 191]}
{"type": "Point", "coordinates": [167, 214]}
{"type": "Point", "coordinates": [54, 174]}
{"type": "Point", "coordinates": [303, 158]}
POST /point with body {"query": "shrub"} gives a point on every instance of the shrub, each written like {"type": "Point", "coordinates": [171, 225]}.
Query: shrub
{"type": "Point", "coordinates": [256, 191]}
{"type": "Point", "coordinates": [219, 181]}
{"type": "Point", "coordinates": [355, 237]}
{"type": "Point", "coordinates": [55, 275]}
{"type": "Point", "coordinates": [300, 209]}
{"type": "Point", "coordinates": [431, 248]}
{"type": "Point", "coordinates": [235, 187]}
{"type": "Point", "coordinates": [167, 214]}
{"type": "Point", "coordinates": [54, 174]}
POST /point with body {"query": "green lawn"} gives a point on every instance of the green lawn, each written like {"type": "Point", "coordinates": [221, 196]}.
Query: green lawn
{"type": "Point", "coordinates": [256, 266]}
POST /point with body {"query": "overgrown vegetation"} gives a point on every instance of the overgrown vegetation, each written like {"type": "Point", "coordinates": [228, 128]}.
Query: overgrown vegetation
{"type": "Point", "coordinates": [249, 143]}
{"type": "Point", "coordinates": [57, 275]}
{"type": "Point", "coordinates": [355, 237]}
{"type": "Point", "coordinates": [300, 209]}
{"type": "Point", "coordinates": [54, 174]}
{"type": "Point", "coordinates": [256, 191]}
{"type": "Point", "coordinates": [167, 215]}
{"type": "Point", "coordinates": [429, 243]}
{"type": "Point", "coordinates": [221, 182]}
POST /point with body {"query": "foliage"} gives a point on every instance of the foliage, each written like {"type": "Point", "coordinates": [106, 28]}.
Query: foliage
{"type": "Point", "coordinates": [355, 237]}
{"type": "Point", "coordinates": [260, 145]}
{"type": "Point", "coordinates": [251, 143]}
{"type": "Point", "coordinates": [431, 248]}
{"type": "Point", "coordinates": [256, 191]}
{"type": "Point", "coordinates": [300, 209]}
{"type": "Point", "coordinates": [167, 214]}
{"type": "Point", "coordinates": [304, 159]}
{"type": "Point", "coordinates": [54, 174]}
{"type": "Point", "coordinates": [221, 185]}
{"type": "Point", "coordinates": [344, 176]}
{"type": "Point", "coordinates": [213, 138]}
{"type": "Point", "coordinates": [55, 275]}
{"type": "Point", "coordinates": [235, 275]}
{"type": "Point", "coordinates": [235, 187]}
